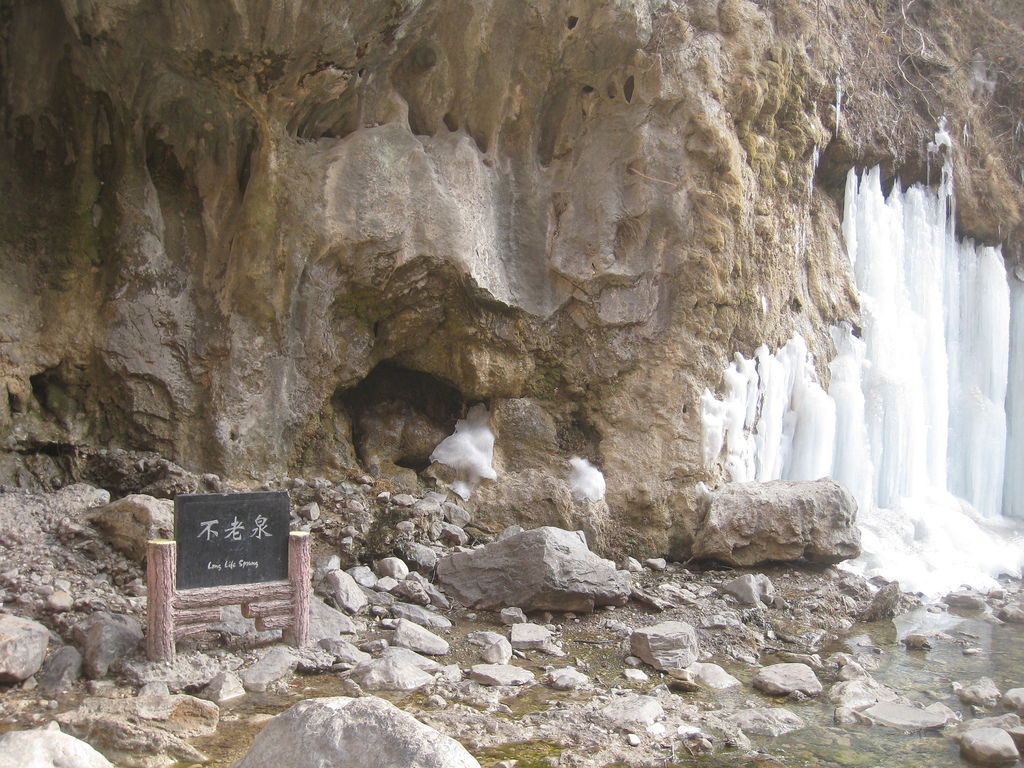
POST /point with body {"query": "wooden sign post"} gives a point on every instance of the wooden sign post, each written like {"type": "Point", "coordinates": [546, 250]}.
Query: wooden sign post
{"type": "Point", "coordinates": [229, 549]}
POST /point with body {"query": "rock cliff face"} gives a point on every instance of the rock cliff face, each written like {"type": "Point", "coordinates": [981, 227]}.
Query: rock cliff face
{"type": "Point", "coordinates": [303, 235]}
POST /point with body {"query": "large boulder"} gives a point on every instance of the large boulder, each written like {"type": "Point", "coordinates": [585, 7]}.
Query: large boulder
{"type": "Point", "coordinates": [543, 569]}
{"type": "Point", "coordinates": [22, 648]}
{"type": "Point", "coordinates": [752, 523]}
{"type": "Point", "coordinates": [352, 733]}
{"type": "Point", "coordinates": [145, 730]}
{"type": "Point", "coordinates": [130, 522]}
{"type": "Point", "coordinates": [47, 748]}
{"type": "Point", "coordinates": [106, 637]}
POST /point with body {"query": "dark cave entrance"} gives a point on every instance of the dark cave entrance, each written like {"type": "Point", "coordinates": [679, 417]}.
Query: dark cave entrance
{"type": "Point", "coordinates": [399, 416]}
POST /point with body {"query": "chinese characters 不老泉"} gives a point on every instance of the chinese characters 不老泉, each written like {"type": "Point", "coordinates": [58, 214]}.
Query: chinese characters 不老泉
{"type": "Point", "coordinates": [234, 531]}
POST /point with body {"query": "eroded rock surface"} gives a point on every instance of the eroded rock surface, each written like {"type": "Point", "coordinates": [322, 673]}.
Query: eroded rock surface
{"type": "Point", "coordinates": [751, 523]}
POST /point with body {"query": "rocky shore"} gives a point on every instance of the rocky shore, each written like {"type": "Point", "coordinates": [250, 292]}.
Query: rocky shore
{"type": "Point", "coordinates": [438, 642]}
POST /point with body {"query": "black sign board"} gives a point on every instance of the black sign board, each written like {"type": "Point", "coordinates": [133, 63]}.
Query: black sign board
{"type": "Point", "coordinates": [233, 538]}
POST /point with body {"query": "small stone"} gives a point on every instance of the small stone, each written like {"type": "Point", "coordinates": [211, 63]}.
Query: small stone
{"type": "Point", "coordinates": [511, 616]}
{"type": "Point", "coordinates": [633, 740]}
{"type": "Point", "coordinates": [394, 567]}
{"type": "Point", "coordinates": [275, 664]}
{"type": "Point", "coordinates": [363, 576]}
{"type": "Point", "coordinates": [494, 648]}
{"type": "Point", "coordinates": [917, 642]}
{"type": "Point", "coordinates": [656, 563]}
{"type": "Point", "coordinates": [403, 499]}
{"type": "Point", "coordinates": [224, 687]}
{"type": "Point", "coordinates": [1013, 700]}
{"type": "Point", "coordinates": [390, 674]}
{"type": "Point", "coordinates": [567, 679]}
{"type": "Point", "coordinates": [982, 693]}
{"type": "Point", "coordinates": [635, 675]}
{"type": "Point", "coordinates": [529, 636]}
{"type": "Point", "coordinates": [416, 638]}
{"type": "Point", "coordinates": [420, 615]}
{"type": "Point", "coordinates": [632, 565]}
{"type": "Point", "coordinates": [385, 584]}
{"type": "Point", "coordinates": [712, 676]}
{"type": "Point", "coordinates": [500, 674]}
{"type": "Point", "coordinates": [59, 602]}
{"type": "Point", "coordinates": [309, 511]}
{"type": "Point", "coordinates": [750, 589]}
{"type": "Point", "coordinates": [411, 592]}
{"type": "Point", "coordinates": [966, 601]}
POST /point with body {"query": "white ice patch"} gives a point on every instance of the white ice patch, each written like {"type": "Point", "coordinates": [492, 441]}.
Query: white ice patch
{"type": "Point", "coordinates": [469, 451]}
{"type": "Point", "coordinates": [585, 480]}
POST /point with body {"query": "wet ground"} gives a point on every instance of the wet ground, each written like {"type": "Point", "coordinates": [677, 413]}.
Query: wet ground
{"type": "Point", "coordinates": [969, 646]}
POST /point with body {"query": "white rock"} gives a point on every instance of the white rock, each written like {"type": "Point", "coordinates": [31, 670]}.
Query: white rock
{"type": "Point", "coordinates": [903, 717]}
{"type": "Point", "coordinates": [352, 733]}
{"type": "Point", "coordinates": [669, 645]}
{"type": "Point", "coordinates": [23, 645]}
{"type": "Point", "coordinates": [627, 713]}
{"type": "Point", "coordinates": [635, 675]}
{"type": "Point", "coordinates": [394, 567]}
{"type": "Point", "coordinates": [712, 676]}
{"type": "Point", "coordinates": [390, 674]}
{"type": "Point", "coordinates": [345, 591]}
{"type": "Point", "coordinates": [766, 721]}
{"type": "Point", "coordinates": [278, 662]}
{"type": "Point", "coordinates": [416, 638]}
{"type": "Point", "coordinates": [47, 748]}
{"type": "Point", "coordinates": [1013, 700]}
{"type": "Point", "coordinates": [363, 576]}
{"type": "Point", "coordinates": [512, 616]}
{"type": "Point", "coordinates": [529, 636]}
{"type": "Point", "coordinates": [567, 679]}
{"type": "Point", "coordinates": [784, 679]}
{"type": "Point", "coordinates": [988, 746]}
{"type": "Point", "coordinates": [494, 648]}
{"type": "Point", "coordinates": [500, 674]}
{"type": "Point", "coordinates": [224, 687]}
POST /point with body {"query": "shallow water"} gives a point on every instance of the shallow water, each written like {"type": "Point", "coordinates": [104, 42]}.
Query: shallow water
{"type": "Point", "coordinates": [923, 677]}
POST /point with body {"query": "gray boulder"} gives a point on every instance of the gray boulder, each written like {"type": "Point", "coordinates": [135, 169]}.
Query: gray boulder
{"type": "Point", "coordinates": [751, 523]}
{"type": "Point", "coordinates": [766, 721]}
{"type": "Point", "coordinates": [367, 732]}
{"type": "Point", "coordinates": [750, 589]}
{"type": "Point", "coordinates": [1013, 700]}
{"type": "Point", "coordinates": [390, 673]}
{"type": "Point", "coordinates": [22, 648]}
{"type": "Point", "coordinates": [47, 747]}
{"type": "Point", "coordinates": [903, 717]}
{"type": "Point", "coordinates": [277, 663]}
{"type": "Point", "coordinates": [989, 746]}
{"type": "Point", "coordinates": [105, 637]}
{"type": "Point", "coordinates": [416, 638]}
{"type": "Point", "coordinates": [130, 522]}
{"type": "Point", "coordinates": [60, 671]}
{"type": "Point", "coordinates": [345, 591]}
{"type": "Point", "coordinates": [543, 569]}
{"type": "Point", "coordinates": [784, 679]}
{"type": "Point", "coordinates": [669, 645]}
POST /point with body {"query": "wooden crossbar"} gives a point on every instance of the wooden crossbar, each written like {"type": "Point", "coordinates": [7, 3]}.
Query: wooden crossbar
{"type": "Point", "coordinates": [173, 615]}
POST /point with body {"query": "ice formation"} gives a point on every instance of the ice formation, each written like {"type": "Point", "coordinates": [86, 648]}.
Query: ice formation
{"type": "Point", "coordinates": [469, 451]}
{"type": "Point", "coordinates": [585, 480]}
{"type": "Point", "coordinates": [918, 421]}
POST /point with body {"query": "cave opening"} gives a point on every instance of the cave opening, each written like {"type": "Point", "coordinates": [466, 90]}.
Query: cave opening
{"type": "Point", "coordinates": [398, 416]}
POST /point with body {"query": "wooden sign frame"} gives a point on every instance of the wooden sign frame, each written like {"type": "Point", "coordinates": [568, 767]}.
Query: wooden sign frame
{"type": "Point", "coordinates": [174, 614]}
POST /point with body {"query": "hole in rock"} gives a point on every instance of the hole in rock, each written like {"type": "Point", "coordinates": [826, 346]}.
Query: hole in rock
{"type": "Point", "coordinates": [450, 122]}
{"type": "Point", "coordinates": [399, 416]}
{"type": "Point", "coordinates": [610, 90]}
{"type": "Point", "coordinates": [627, 88]}
{"type": "Point", "coordinates": [587, 89]}
{"type": "Point", "coordinates": [572, 22]}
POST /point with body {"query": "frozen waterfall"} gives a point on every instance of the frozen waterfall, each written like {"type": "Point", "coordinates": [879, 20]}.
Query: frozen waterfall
{"type": "Point", "coordinates": [918, 421]}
